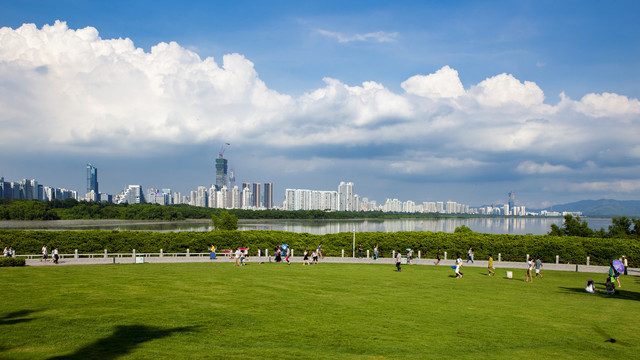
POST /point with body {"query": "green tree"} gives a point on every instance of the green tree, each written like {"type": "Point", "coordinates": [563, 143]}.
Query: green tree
{"type": "Point", "coordinates": [572, 227]}
{"type": "Point", "coordinates": [620, 226]}
{"type": "Point", "coordinates": [225, 221]}
{"type": "Point", "coordinates": [463, 229]}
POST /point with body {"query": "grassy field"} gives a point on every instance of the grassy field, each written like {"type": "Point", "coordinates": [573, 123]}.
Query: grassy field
{"type": "Point", "coordinates": [215, 310]}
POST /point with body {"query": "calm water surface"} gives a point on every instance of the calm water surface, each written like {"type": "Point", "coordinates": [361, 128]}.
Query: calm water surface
{"type": "Point", "coordinates": [497, 225]}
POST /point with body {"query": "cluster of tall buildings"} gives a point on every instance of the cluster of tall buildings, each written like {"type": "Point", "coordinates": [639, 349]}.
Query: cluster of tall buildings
{"type": "Point", "coordinates": [223, 194]}
{"type": "Point", "coordinates": [345, 199]}
{"type": "Point", "coordinates": [29, 189]}
{"type": "Point", "coordinates": [251, 196]}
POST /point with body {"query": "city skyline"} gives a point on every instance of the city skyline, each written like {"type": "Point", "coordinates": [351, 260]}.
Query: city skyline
{"type": "Point", "coordinates": [456, 101]}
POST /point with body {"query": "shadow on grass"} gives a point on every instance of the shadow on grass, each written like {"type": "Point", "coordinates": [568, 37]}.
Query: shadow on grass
{"type": "Point", "coordinates": [620, 293]}
{"type": "Point", "coordinates": [124, 339]}
{"type": "Point", "coordinates": [16, 317]}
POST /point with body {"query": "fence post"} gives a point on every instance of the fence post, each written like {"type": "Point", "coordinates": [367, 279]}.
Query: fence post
{"type": "Point", "coordinates": [105, 253]}
{"type": "Point", "coordinates": [419, 253]}
{"type": "Point", "coordinates": [75, 254]}
{"type": "Point", "coordinates": [291, 252]}
{"type": "Point", "coordinates": [161, 253]}
{"type": "Point", "coordinates": [342, 252]}
{"type": "Point", "coordinates": [259, 252]}
{"type": "Point", "coordinates": [588, 260]}
{"type": "Point", "coordinates": [445, 255]}
{"type": "Point", "coordinates": [557, 259]}
{"type": "Point", "coordinates": [367, 253]}
{"type": "Point", "coordinates": [499, 257]}
{"type": "Point", "coordinates": [527, 257]}
{"type": "Point", "coordinates": [393, 254]}
{"type": "Point", "coordinates": [133, 254]}
{"type": "Point", "coordinates": [188, 253]}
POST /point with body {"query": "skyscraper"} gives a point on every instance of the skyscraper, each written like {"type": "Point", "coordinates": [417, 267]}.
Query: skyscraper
{"type": "Point", "coordinates": [221, 173]}
{"type": "Point", "coordinates": [92, 179]}
{"type": "Point", "coordinates": [512, 202]}
{"type": "Point", "coordinates": [268, 195]}
{"type": "Point", "coordinates": [257, 198]}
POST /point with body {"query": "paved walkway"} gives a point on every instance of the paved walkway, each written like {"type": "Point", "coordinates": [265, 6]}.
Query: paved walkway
{"type": "Point", "coordinates": [349, 260]}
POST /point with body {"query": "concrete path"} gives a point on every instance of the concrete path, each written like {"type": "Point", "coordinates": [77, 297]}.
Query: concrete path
{"type": "Point", "coordinates": [347, 260]}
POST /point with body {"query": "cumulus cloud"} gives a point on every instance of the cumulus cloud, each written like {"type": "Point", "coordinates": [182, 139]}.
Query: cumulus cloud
{"type": "Point", "coordinates": [444, 83]}
{"type": "Point", "coordinates": [504, 89]}
{"type": "Point", "coordinates": [72, 91]}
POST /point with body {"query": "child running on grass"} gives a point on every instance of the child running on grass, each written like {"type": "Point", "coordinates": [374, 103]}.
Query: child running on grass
{"type": "Point", "coordinates": [490, 266]}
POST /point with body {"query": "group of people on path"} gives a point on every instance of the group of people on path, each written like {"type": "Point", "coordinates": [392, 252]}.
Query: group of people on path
{"type": "Point", "coordinates": [8, 252]}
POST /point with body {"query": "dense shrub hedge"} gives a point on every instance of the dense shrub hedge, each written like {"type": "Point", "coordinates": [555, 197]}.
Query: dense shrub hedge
{"type": "Point", "coordinates": [11, 261]}
{"type": "Point", "coordinates": [512, 247]}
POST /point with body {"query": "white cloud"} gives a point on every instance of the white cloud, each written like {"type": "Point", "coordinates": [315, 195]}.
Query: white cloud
{"type": "Point", "coordinates": [68, 90]}
{"type": "Point", "coordinates": [378, 36]}
{"type": "Point", "coordinates": [530, 167]}
{"type": "Point", "coordinates": [444, 83]}
{"type": "Point", "coordinates": [607, 104]}
{"type": "Point", "coordinates": [504, 89]}
{"type": "Point", "coordinates": [615, 186]}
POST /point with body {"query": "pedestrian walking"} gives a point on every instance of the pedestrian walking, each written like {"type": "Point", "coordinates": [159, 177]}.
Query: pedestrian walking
{"type": "Point", "coordinates": [409, 256]}
{"type": "Point", "coordinates": [399, 261]}
{"type": "Point", "coordinates": [438, 257]}
{"type": "Point", "coordinates": [470, 254]}
{"type": "Point", "coordinates": [315, 257]}
{"type": "Point", "coordinates": [320, 251]}
{"type": "Point", "coordinates": [237, 258]}
{"type": "Point", "coordinates": [538, 266]}
{"type": "Point", "coordinates": [625, 263]}
{"type": "Point", "coordinates": [360, 251]}
{"type": "Point", "coordinates": [490, 266]}
{"type": "Point", "coordinates": [530, 265]}
{"type": "Point", "coordinates": [375, 252]}
{"type": "Point", "coordinates": [458, 267]}
{"type": "Point", "coordinates": [5, 252]}
{"type": "Point", "coordinates": [305, 259]}
{"type": "Point", "coordinates": [56, 256]}
{"type": "Point", "coordinates": [44, 253]}
{"type": "Point", "coordinates": [615, 274]}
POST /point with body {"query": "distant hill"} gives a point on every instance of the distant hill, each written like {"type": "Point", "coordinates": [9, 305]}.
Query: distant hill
{"type": "Point", "coordinates": [602, 207]}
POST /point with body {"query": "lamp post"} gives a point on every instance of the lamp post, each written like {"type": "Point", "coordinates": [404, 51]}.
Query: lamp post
{"type": "Point", "coordinates": [354, 241]}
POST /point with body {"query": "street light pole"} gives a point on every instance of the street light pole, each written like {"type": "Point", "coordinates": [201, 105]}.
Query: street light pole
{"type": "Point", "coordinates": [354, 241]}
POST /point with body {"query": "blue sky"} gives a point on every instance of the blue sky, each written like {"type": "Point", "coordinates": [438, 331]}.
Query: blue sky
{"type": "Point", "coordinates": [423, 101]}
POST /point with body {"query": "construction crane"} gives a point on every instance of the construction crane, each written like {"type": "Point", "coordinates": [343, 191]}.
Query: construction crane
{"type": "Point", "coordinates": [222, 149]}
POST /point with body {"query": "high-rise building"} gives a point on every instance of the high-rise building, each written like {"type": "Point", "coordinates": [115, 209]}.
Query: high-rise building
{"type": "Point", "coordinates": [268, 195]}
{"type": "Point", "coordinates": [257, 198]}
{"type": "Point", "coordinates": [131, 195]}
{"type": "Point", "coordinates": [92, 179]}
{"type": "Point", "coordinates": [512, 201]}
{"type": "Point", "coordinates": [221, 173]}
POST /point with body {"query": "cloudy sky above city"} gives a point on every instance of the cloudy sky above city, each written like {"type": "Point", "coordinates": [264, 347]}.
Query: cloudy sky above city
{"type": "Point", "coordinates": [422, 101]}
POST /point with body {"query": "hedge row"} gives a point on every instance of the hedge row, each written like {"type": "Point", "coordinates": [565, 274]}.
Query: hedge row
{"type": "Point", "coordinates": [512, 247]}
{"type": "Point", "coordinates": [11, 261]}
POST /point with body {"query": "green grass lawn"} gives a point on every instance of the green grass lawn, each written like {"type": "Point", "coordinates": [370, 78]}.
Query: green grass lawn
{"type": "Point", "coordinates": [216, 310]}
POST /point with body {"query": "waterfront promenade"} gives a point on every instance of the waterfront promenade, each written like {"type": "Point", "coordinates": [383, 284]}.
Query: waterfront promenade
{"type": "Point", "coordinates": [297, 260]}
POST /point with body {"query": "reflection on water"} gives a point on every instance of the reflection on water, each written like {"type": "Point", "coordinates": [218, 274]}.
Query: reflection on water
{"type": "Point", "coordinates": [496, 225]}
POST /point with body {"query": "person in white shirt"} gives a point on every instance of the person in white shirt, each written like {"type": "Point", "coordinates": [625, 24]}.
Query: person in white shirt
{"type": "Point", "coordinates": [237, 256]}
{"type": "Point", "coordinates": [590, 287]}
{"type": "Point", "coordinates": [399, 261]}
{"type": "Point", "coordinates": [44, 253]}
{"type": "Point", "coordinates": [530, 265]}
{"type": "Point", "coordinates": [459, 274]}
